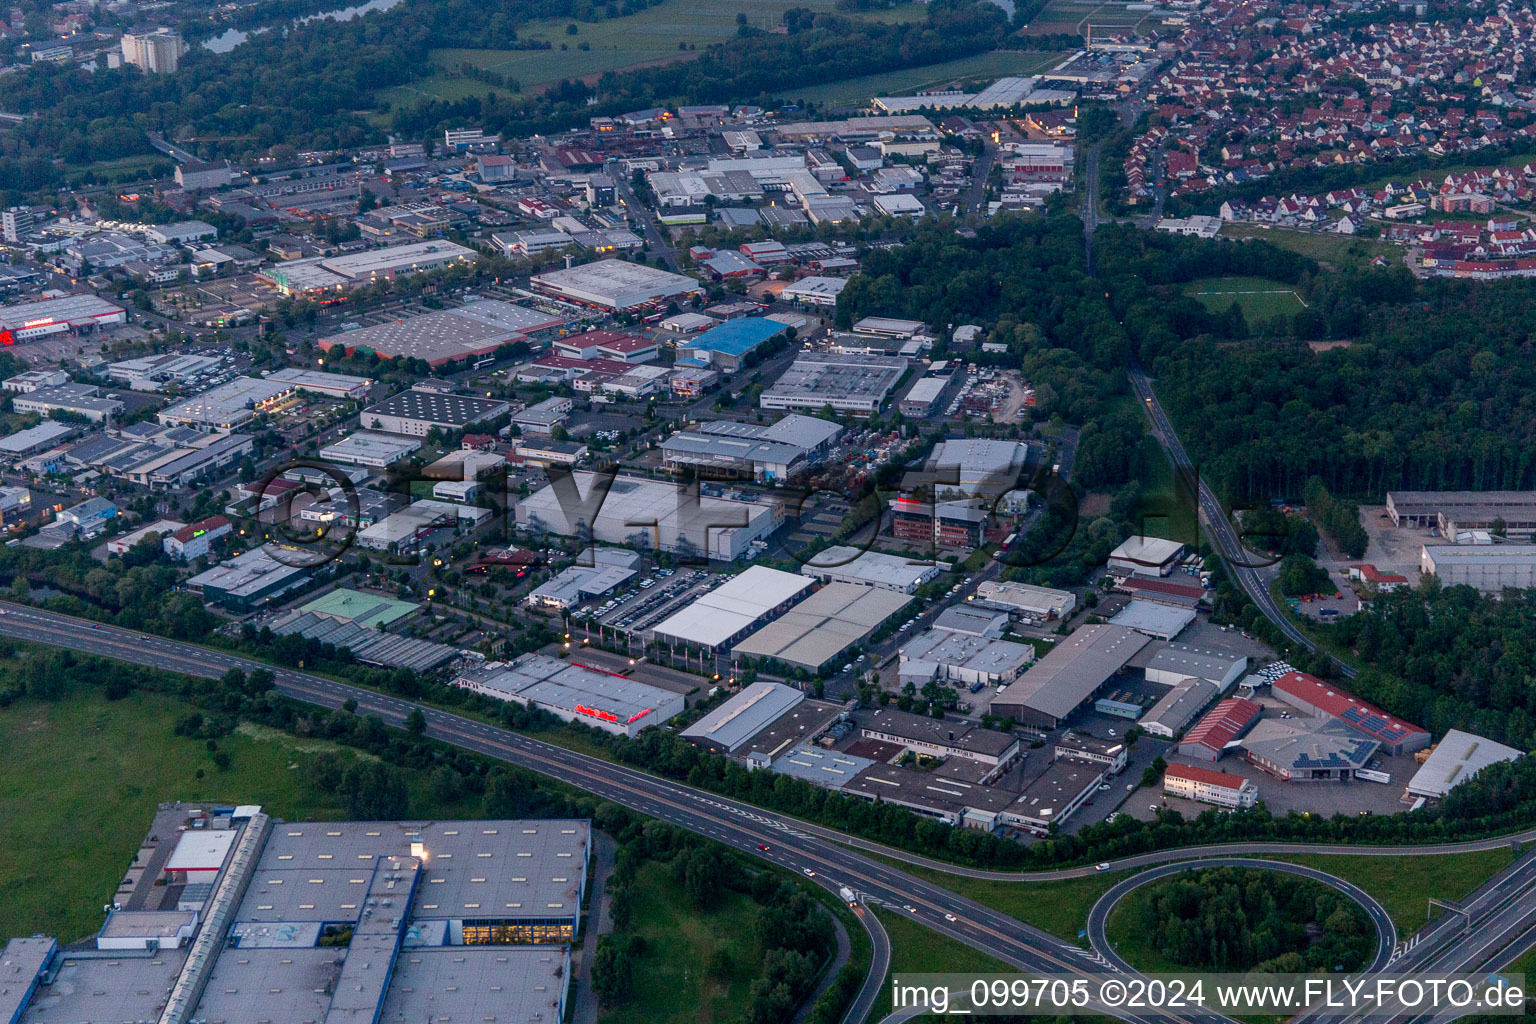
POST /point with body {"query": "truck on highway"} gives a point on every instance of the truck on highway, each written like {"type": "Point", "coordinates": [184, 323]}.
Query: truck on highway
{"type": "Point", "coordinates": [847, 896]}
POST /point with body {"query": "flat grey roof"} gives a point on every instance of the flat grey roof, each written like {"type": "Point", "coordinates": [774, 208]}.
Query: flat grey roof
{"type": "Point", "coordinates": [977, 653]}
{"type": "Point", "coordinates": [743, 715]}
{"type": "Point", "coordinates": [827, 768]}
{"type": "Point", "coordinates": [270, 985]}
{"type": "Point", "coordinates": [1162, 620]}
{"type": "Point", "coordinates": [1060, 784]}
{"type": "Point", "coordinates": [20, 963]}
{"type": "Point", "coordinates": [447, 334]}
{"type": "Point", "coordinates": [922, 729]}
{"type": "Point", "coordinates": [1480, 554]}
{"type": "Point", "coordinates": [431, 407]}
{"type": "Point", "coordinates": [458, 984]}
{"type": "Point", "coordinates": [564, 685]}
{"type": "Point", "coordinates": [926, 789]}
{"type": "Point", "coordinates": [1456, 758]}
{"type": "Point", "coordinates": [1073, 669]}
{"type": "Point", "coordinates": [1181, 704]}
{"type": "Point", "coordinates": [126, 988]}
{"type": "Point", "coordinates": [503, 869]}
{"type": "Point", "coordinates": [874, 567]}
{"type": "Point", "coordinates": [1202, 663]}
{"type": "Point", "coordinates": [824, 625]}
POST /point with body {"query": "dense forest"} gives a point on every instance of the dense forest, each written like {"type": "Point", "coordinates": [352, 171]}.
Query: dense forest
{"type": "Point", "coordinates": [1239, 919]}
{"type": "Point", "coordinates": [314, 85]}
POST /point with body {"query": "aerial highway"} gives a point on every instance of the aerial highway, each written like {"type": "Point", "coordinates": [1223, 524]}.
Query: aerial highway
{"type": "Point", "coordinates": [781, 841]}
{"type": "Point", "coordinates": [1505, 906]}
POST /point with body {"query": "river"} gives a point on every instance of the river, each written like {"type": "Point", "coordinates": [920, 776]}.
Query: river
{"type": "Point", "coordinates": [231, 38]}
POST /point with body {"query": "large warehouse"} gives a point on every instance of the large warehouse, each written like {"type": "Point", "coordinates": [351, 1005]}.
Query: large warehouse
{"type": "Point", "coordinates": [1453, 511]}
{"type": "Point", "coordinates": [614, 284]}
{"type": "Point", "coordinates": [27, 321]}
{"type": "Point", "coordinates": [1456, 758]}
{"type": "Point", "coordinates": [822, 626]}
{"type": "Point", "coordinates": [728, 346]}
{"type": "Point", "coordinates": [1488, 567]}
{"type": "Point", "coordinates": [229, 405]}
{"type": "Point", "coordinates": [973, 466]}
{"type": "Point", "coordinates": [1068, 675]}
{"type": "Point", "coordinates": [340, 273]}
{"type": "Point", "coordinates": [845, 382]}
{"type": "Point", "coordinates": [415, 413]}
{"type": "Point", "coordinates": [653, 513]}
{"type": "Point", "coordinates": [728, 727]}
{"type": "Point", "coordinates": [729, 612]}
{"type": "Point", "coordinates": [576, 693]}
{"type": "Point", "coordinates": [1315, 697]}
{"type": "Point", "coordinates": [843, 564]}
{"type": "Point", "coordinates": [765, 452]}
{"type": "Point", "coordinates": [963, 658]}
{"type": "Point", "coordinates": [474, 330]}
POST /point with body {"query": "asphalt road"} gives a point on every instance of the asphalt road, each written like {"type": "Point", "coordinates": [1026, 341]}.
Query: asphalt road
{"type": "Point", "coordinates": [1098, 917]}
{"type": "Point", "coordinates": [1243, 565]}
{"type": "Point", "coordinates": [1503, 914]}
{"type": "Point", "coordinates": [784, 842]}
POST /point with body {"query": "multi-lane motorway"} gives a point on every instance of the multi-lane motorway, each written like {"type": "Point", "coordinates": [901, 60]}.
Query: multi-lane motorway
{"type": "Point", "coordinates": [1503, 913]}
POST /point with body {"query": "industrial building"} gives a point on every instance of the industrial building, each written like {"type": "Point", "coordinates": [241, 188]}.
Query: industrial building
{"type": "Point", "coordinates": [1068, 675]}
{"type": "Point", "coordinates": [649, 513]}
{"type": "Point", "coordinates": [1221, 728]}
{"type": "Point", "coordinates": [1161, 621]}
{"type": "Point", "coordinates": [731, 726]}
{"type": "Point", "coordinates": [76, 314]}
{"type": "Point", "coordinates": [1488, 567]}
{"type": "Point", "coordinates": [1178, 707]}
{"type": "Point", "coordinates": [374, 451]}
{"type": "Point", "coordinates": [1456, 511]}
{"type": "Point", "coordinates": [473, 331]}
{"type": "Point", "coordinates": [403, 531]}
{"type": "Point", "coordinates": [342, 273]}
{"type": "Point", "coordinates": [821, 292]}
{"type": "Point", "coordinates": [1145, 556]}
{"type": "Point", "coordinates": [729, 346]}
{"type": "Point", "coordinates": [340, 386]}
{"type": "Point", "coordinates": [355, 621]}
{"type": "Point", "coordinates": [1111, 755]}
{"type": "Point", "coordinates": [229, 405]}
{"type": "Point", "coordinates": [962, 658]}
{"type": "Point", "coordinates": [939, 738]}
{"type": "Point", "coordinates": [843, 564]}
{"type": "Point", "coordinates": [247, 581]}
{"type": "Point", "coordinates": [1026, 599]}
{"type": "Point", "coordinates": [610, 568]}
{"type": "Point", "coordinates": [946, 524]}
{"type": "Point", "coordinates": [1315, 697]}
{"type": "Point", "coordinates": [416, 412]}
{"type": "Point", "coordinates": [818, 629]}
{"type": "Point", "coordinates": [1169, 663]}
{"type": "Point", "coordinates": [83, 400]}
{"type": "Point", "coordinates": [156, 372]}
{"type": "Point", "coordinates": [624, 348]}
{"type": "Point", "coordinates": [845, 382]}
{"type": "Point", "coordinates": [1455, 759]}
{"type": "Point", "coordinates": [922, 398]}
{"type": "Point", "coordinates": [614, 285]}
{"type": "Point", "coordinates": [1057, 794]}
{"type": "Point", "coordinates": [763, 452]}
{"type": "Point", "coordinates": [739, 605]}
{"type": "Point", "coordinates": [1209, 786]}
{"type": "Point", "coordinates": [951, 800]}
{"type": "Point", "coordinates": [576, 693]}
{"type": "Point", "coordinates": [1308, 749]}
{"type": "Point", "coordinates": [968, 467]}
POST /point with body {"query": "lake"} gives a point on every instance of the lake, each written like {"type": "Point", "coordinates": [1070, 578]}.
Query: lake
{"type": "Point", "coordinates": [231, 38]}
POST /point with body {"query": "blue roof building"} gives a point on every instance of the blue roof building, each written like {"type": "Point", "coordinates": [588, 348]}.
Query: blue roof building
{"type": "Point", "coordinates": [728, 346]}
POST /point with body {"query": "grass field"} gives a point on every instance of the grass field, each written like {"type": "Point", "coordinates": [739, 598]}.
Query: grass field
{"type": "Point", "coordinates": [1072, 15]}
{"type": "Point", "coordinates": [79, 783]}
{"type": "Point", "coordinates": [670, 985]}
{"type": "Point", "coordinates": [917, 950]}
{"type": "Point", "coordinates": [651, 36]}
{"type": "Point", "coordinates": [1403, 885]}
{"type": "Point", "coordinates": [1259, 297]}
{"type": "Point", "coordinates": [1327, 248]}
{"type": "Point", "coordinates": [891, 83]}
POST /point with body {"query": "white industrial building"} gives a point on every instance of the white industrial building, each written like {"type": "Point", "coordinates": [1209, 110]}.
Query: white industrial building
{"type": "Point", "coordinates": [1026, 599]}
{"type": "Point", "coordinates": [227, 406]}
{"type": "Point", "coordinates": [1145, 556]}
{"type": "Point", "coordinates": [417, 412]}
{"type": "Point", "coordinates": [1209, 786]}
{"type": "Point", "coordinates": [614, 284]}
{"type": "Point", "coordinates": [1455, 759]}
{"type": "Point", "coordinates": [823, 626]}
{"type": "Point", "coordinates": [27, 321]}
{"type": "Point", "coordinates": [365, 448]}
{"type": "Point", "coordinates": [815, 291]}
{"type": "Point", "coordinates": [1488, 567]}
{"type": "Point", "coordinates": [576, 693]}
{"type": "Point", "coordinates": [843, 564]}
{"type": "Point", "coordinates": [963, 658]}
{"type": "Point", "coordinates": [977, 466]}
{"type": "Point", "coordinates": [729, 612]}
{"type": "Point", "coordinates": [845, 382]}
{"type": "Point", "coordinates": [764, 452]}
{"type": "Point", "coordinates": [728, 727]}
{"type": "Point", "coordinates": [647, 513]}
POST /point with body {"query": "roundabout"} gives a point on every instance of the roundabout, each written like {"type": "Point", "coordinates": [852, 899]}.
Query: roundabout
{"type": "Point", "coordinates": [1098, 917]}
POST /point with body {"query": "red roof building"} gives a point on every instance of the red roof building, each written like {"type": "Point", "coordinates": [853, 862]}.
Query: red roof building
{"type": "Point", "coordinates": [1312, 695]}
{"type": "Point", "coordinates": [1227, 721]}
{"type": "Point", "coordinates": [1209, 786]}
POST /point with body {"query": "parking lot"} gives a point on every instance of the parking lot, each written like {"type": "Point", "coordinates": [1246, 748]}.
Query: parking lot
{"type": "Point", "coordinates": [635, 611]}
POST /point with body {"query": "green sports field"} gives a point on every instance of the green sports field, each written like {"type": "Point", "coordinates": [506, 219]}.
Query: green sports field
{"type": "Point", "coordinates": [1259, 297]}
